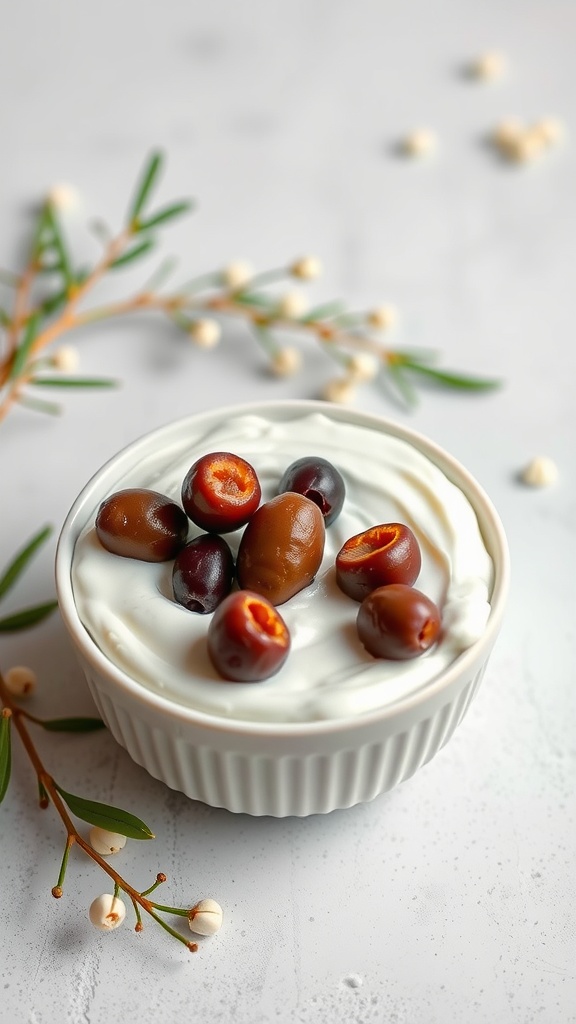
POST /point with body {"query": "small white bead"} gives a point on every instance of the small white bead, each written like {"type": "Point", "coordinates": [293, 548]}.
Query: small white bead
{"type": "Point", "coordinates": [489, 66]}
{"type": "Point", "coordinates": [420, 143]}
{"type": "Point", "coordinates": [107, 912]}
{"type": "Point", "coordinates": [286, 361]}
{"type": "Point", "coordinates": [206, 333]}
{"type": "Point", "coordinates": [550, 129]}
{"type": "Point", "coordinates": [340, 389]}
{"type": "Point", "coordinates": [506, 134]}
{"type": "Point", "coordinates": [105, 842]}
{"type": "Point", "coordinates": [541, 471]}
{"type": "Point", "coordinates": [307, 268]}
{"type": "Point", "coordinates": [20, 681]}
{"type": "Point", "coordinates": [363, 366]}
{"type": "Point", "coordinates": [205, 918]}
{"type": "Point", "coordinates": [383, 317]}
{"type": "Point", "coordinates": [236, 275]}
{"type": "Point", "coordinates": [65, 358]}
{"type": "Point", "coordinates": [63, 197]}
{"type": "Point", "coordinates": [291, 306]}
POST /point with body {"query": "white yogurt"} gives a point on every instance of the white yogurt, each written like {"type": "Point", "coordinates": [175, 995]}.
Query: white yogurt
{"type": "Point", "coordinates": [128, 608]}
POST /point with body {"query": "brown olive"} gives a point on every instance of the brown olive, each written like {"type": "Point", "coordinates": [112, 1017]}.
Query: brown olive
{"type": "Point", "coordinates": [137, 523]}
{"type": "Point", "coordinates": [248, 639]}
{"type": "Point", "coordinates": [397, 622]}
{"type": "Point", "coordinates": [281, 548]}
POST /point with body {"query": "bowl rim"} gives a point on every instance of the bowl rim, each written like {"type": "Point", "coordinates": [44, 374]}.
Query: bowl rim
{"type": "Point", "coordinates": [463, 665]}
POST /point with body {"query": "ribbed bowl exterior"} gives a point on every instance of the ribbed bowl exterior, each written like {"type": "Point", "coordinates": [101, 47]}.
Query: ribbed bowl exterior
{"type": "Point", "coordinates": [294, 776]}
{"type": "Point", "coordinates": [275, 769]}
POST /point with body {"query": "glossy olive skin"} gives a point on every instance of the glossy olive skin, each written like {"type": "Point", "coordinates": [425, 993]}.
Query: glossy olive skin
{"type": "Point", "coordinates": [248, 639]}
{"type": "Point", "coordinates": [143, 524]}
{"type": "Point", "coordinates": [398, 622]}
{"type": "Point", "coordinates": [281, 548]}
{"type": "Point", "coordinates": [220, 492]}
{"type": "Point", "coordinates": [384, 554]}
{"type": "Point", "coordinates": [203, 573]}
{"type": "Point", "coordinates": [319, 480]}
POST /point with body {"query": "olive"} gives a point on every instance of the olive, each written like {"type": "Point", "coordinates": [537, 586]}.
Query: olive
{"type": "Point", "coordinates": [281, 548]}
{"type": "Point", "coordinates": [203, 573]}
{"type": "Point", "coordinates": [319, 480]}
{"type": "Point", "coordinates": [248, 640]}
{"type": "Point", "coordinates": [397, 622]}
{"type": "Point", "coordinates": [381, 555]}
{"type": "Point", "coordinates": [137, 523]}
{"type": "Point", "coordinates": [220, 492]}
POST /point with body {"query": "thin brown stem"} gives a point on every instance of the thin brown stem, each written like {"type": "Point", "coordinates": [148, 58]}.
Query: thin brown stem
{"type": "Point", "coordinates": [48, 785]}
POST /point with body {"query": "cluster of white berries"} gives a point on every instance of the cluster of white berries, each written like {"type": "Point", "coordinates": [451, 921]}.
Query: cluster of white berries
{"type": "Point", "coordinates": [108, 911]}
{"type": "Point", "coordinates": [514, 141]}
{"type": "Point", "coordinates": [360, 366]}
{"type": "Point", "coordinates": [523, 144]}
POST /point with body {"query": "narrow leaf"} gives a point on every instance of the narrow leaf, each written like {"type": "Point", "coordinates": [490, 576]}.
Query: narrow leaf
{"type": "Point", "coordinates": [105, 816]}
{"type": "Point", "coordinates": [323, 312]}
{"type": "Point", "coordinates": [4, 318]}
{"type": "Point", "coordinates": [72, 724]}
{"type": "Point", "coordinates": [64, 264]}
{"type": "Point", "coordinates": [145, 186]}
{"type": "Point", "coordinates": [254, 299]}
{"type": "Point", "coordinates": [39, 405]}
{"type": "Point", "coordinates": [402, 384]}
{"type": "Point", "coordinates": [21, 559]}
{"type": "Point", "coordinates": [28, 617]}
{"type": "Point", "coordinates": [5, 753]}
{"type": "Point", "coordinates": [168, 213]}
{"type": "Point", "coordinates": [74, 382]}
{"type": "Point", "coordinates": [54, 302]}
{"type": "Point", "coordinates": [161, 274]}
{"type": "Point", "coordinates": [22, 352]}
{"type": "Point", "coordinates": [458, 381]}
{"type": "Point", "coordinates": [133, 254]}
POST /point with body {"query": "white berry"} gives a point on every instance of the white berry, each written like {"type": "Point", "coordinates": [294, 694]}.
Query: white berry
{"type": "Point", "coordinates": [206, 333]}
{"type": "Point", "coordinates": [420, 143]}
{"type": "Point", "coordinates": [383, 317]}
{"type": "Point", "coordinates": [107, 912]}
{"type": "Point", "coordinates": [20, 681]}
{"type": "Point", "coordinates": [340, 389]}
{"type": "Point", "coordinates": [205, 918]}
{"type": "Point", "coordinates": [489, 66]}
{"type": "Point", "coordinates": [286, 361]}
{"type": "Point", "coordinates": [363, 366]}
{"type": "Point", "coordinates": [63, 197]}
{"type": "Point", "coordinates": [65, 358]}
{"type": "Point", "coordinates": [306, 268]}
{"type": "Point", "coordinates": [541, 471]}
{"type": "Point", "coordinates": [105, 842]}
{"type": "Point", "coordinates": [236, 275]}
{"type": "Point", "coordinates": [292, 305]}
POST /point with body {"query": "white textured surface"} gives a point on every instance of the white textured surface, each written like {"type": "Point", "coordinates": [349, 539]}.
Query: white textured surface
{"type": "Point", "coordinates": [451, 898]}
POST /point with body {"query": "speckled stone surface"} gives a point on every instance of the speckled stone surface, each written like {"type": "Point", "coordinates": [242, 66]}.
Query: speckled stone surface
{"type": "Point", "coordinates": [451, 898]}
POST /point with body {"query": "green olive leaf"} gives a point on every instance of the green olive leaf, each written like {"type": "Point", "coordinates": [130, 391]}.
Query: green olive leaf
{"type": "Point", "coordinates": [22, 352]}
{"type": "Point", "coordinates": [71, 724]}
{"type": "Point", "coordinates": [5, 753]}
{"type": "Point", "coordinates": [147, 181]}
{"type": "Point", "coordinates": [167, 213]}
{"type": "Point", "coordinates": [458, 381]}
{"type": "Point", "coordinates": [132, 254]}
{"type": "Point", "coordinates": [26, 618]}
{"type": "Point", "coordinates": [20, 561]}
{"type": "Point", "coordinates": [324, 312]}
{"type": "Point", "coordinates": [74, 382]}
{"type": "Point", "coordinates": [105, 816]}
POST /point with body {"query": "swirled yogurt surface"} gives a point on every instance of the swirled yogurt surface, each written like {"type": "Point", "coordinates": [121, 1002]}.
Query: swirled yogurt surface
{"type": "Point", "coordinates": [128, 608]}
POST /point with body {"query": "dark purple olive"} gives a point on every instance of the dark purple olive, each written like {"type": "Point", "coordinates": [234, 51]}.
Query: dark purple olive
{"type": "Point", "coordinates": [318, 480]}
{"type": "Point", "coordinates": [203, 573]}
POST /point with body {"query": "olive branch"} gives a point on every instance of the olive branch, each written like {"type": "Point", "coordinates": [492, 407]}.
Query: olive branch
{"type": "Point", "coordinates": [68, 805]}
{"type": "Point", "coordinates": [48, 302]}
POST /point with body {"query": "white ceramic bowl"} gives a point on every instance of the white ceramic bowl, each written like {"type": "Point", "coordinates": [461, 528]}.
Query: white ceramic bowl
{"type": "Point", "coordinates": [276, 768]}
